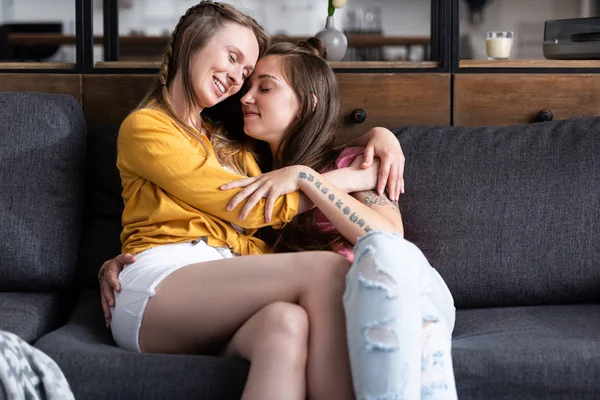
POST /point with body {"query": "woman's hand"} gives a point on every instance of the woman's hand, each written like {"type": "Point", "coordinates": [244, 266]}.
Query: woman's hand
{"type": "Point", "coordinates": [383, 144]}
{"type": "Point", "coordinates": [270, 185]}
{"type": "Point", "coordinates": [108, 277]}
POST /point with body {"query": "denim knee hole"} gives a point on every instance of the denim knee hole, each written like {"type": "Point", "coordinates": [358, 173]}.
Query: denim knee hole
{"type": "Point", "coordinates": [372, 276]}
{"type": "Point", "coordinates": [380, 336]}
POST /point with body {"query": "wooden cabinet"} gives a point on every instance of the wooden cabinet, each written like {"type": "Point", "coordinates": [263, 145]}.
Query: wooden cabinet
{"type": "Point", "coordinates": [392, 100]}
{"type": "Point", "coordinates": [442, 89]}
{"type": "Point", "coordinates": [382, 99]}
{"type": "Point", "coordinates": [371, 99]}
{"type": "Point", "coordinates": [510, 99]}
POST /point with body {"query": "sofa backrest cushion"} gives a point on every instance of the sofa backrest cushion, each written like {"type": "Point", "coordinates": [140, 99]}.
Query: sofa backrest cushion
{"type": "Point", "coordinates": [508, 215]}
{"type": "Point", "coordinates": [100, 237]}
{"type": "Point", "coordinates": [42, 150]}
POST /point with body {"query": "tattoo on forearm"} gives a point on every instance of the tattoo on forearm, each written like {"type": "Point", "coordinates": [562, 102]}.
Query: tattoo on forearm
{"type": "Point", "coordinates": [372, 198]}
{"type": "Point", "coordinates": [308, 177]}
{"type": "Point", "coordinates": [338, 203]}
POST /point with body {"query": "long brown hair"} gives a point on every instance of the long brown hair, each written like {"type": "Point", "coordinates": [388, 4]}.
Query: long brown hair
{"type": "Point", "coordinates": [310, 140]}
{"type": "Point", "coordinates": [194, 30]}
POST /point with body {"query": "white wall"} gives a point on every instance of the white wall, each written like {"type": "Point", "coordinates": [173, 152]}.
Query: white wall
{"type": "Point", "coordinates": [6, 9]}
{"type": "Point", "coordinates": [294, 17]}
{"type": "Point", "coordinates": [525, 18]}
{"type": "Point", "coordinates": [47, 10]}
{"type": "Point", "coordinates": [302, 17]}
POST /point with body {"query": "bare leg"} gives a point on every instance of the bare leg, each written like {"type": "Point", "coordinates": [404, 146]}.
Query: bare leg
{"type": "Point", "coordinates": [204, 304]}
{"type": "Point", "coordinates": [275, 341]}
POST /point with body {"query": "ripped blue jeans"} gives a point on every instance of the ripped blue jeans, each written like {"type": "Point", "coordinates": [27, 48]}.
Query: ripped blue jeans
{"type": "Point", "coordinates": [399, 316]}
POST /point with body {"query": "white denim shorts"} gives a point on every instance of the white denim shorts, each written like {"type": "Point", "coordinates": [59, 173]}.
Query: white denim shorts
{"type": "Point", "coordinates": [140, 279]}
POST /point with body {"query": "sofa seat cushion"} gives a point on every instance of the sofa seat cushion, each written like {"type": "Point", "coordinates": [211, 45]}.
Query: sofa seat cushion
{"type": "Point", "coordinates": [97, 369]}
{"type": "Point", "coordinates": [533, 352]}
{"type": "Point", "coordinates": [29, 315]}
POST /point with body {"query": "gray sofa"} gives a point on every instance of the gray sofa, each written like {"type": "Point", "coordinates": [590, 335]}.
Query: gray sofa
{"type": "Point", "coordinates": [509, 216]}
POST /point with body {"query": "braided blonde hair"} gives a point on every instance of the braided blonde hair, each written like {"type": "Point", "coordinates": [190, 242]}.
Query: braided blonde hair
{"type": "Point", "coordinates": [193, 31]}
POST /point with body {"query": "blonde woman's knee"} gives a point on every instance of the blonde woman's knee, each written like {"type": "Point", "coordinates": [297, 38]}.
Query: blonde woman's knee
{"type": "Point", "coordinates": [286, 319]}
{"type": "Point", "coordinates": [285, 327]}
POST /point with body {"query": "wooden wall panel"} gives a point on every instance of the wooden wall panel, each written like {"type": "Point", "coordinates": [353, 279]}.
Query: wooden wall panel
{"type": "Point", "coordinates": [107, 99]}
{"type": "Point", "coordinates": [46, 83]}
{"type": "Point", "coordinates": [512, 99]}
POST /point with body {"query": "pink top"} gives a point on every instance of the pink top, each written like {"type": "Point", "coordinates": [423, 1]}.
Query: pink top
{"type": "Point", "coordinates": [344, 160]}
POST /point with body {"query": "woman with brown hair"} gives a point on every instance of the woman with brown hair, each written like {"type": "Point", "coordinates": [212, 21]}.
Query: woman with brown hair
{"type": "Point", "coordinates": [186, 291]}
{"type": "Point", "coordinates": [399, 311]}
